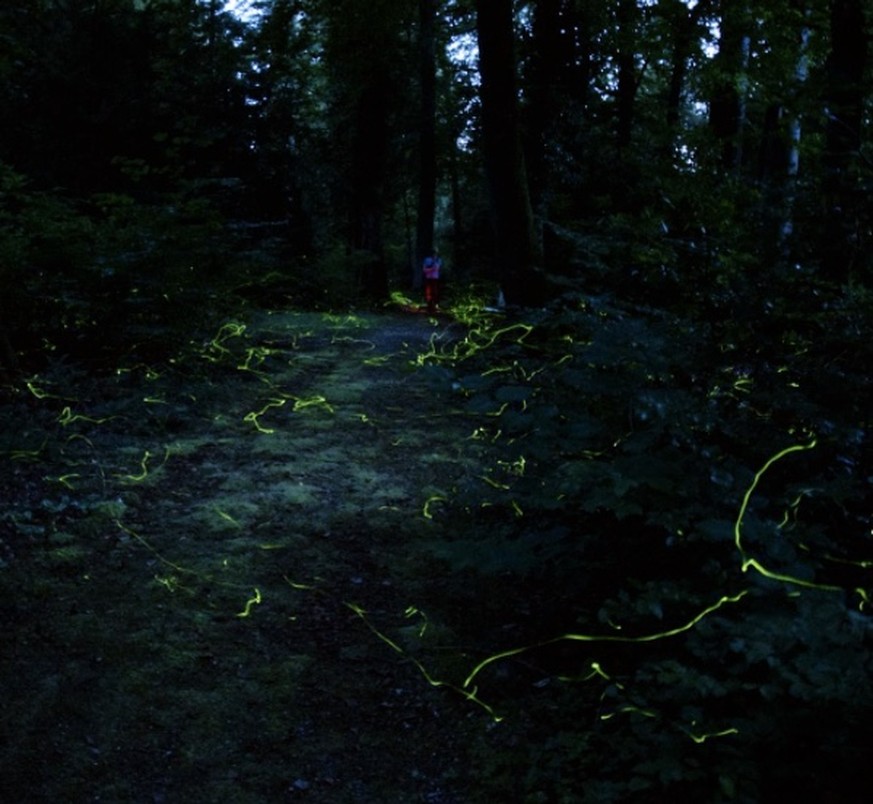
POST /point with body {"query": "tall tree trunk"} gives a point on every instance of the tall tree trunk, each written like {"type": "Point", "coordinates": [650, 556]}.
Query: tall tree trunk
{"type": "Point", "coordinates": [516, 245]}
{"type": "Point", "coordinates": [845, 108]}
{"type": "Point", "coordinates": [792, 161]}
{"type": "Point", "coordinates": [727, 107]}
{"type": "Point", "coordinates": [543, 90]}
{"type": "Point", "coordinates": [458, 256]}
{"type": "Point", "coordinates": [361, 49]}
{"type": "Point", "coordinates": [369, 157]}
{"type": "Point", "coordinates": [627, 73]}
{"type": "Point", "coordinates": [427, 172]}
{"type": "Point", "coordinates": [685, 29]}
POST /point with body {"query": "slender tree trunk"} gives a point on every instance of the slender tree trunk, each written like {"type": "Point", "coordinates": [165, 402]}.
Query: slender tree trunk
{"type": "Point", "coordinates": [369, 156]}
{"type": "Point", "coordinates": [792, 166]}
{"type": "Point", "coordinates": [459, 260]}
{"type": "Point", "coordinates": [542, 88]}
{"type": "Point", "coordinates": [627, 73]}
{"type": "Point", "coordinates": [845, 103]}
{"type": "Point", "coordinates": [727, 107]}
{"type": "Point", "coordinates": [8, 359]}
{"type": "Point", "coordinates": [427, 173]}
{"type": "Point", "coordinates": [685, 29]}
{"type": "Point", "coordinates": [516, 245]}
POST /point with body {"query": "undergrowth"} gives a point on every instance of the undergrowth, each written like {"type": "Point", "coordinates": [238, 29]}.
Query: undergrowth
{"type": "Point", "coordinates": [610, 514]}
{"type": "Point", "coordinates": [623, 551]}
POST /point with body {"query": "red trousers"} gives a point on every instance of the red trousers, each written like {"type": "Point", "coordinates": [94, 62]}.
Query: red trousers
{"type": "Point", "coordinates": [431, 292]}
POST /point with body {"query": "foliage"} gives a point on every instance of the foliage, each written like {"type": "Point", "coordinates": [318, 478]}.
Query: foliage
{"type": "Point", "coordinates": [620, 441]}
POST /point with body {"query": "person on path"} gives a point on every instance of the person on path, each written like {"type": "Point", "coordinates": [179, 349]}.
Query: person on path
{"type": "Point", "coordinates": [431, 268]}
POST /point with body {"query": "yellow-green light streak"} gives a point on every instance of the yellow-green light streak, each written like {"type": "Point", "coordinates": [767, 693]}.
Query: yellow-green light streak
{"type": "Point", "coordinates": [231, 329]}
{"type": "Point", "coordinates": [429, 502]}
{"type": "Point", "coordinates": [144, 467]}
{"type": "Point", "coordinates": [572, 637]}
{"type": "Point", "coordinates": [470, 695]}
{"type": "Point", "coordinates": [749, 562]}
{"type": "Point", "coordinates": [227, 517]}
{"type": "Point", "coordinates": [312, 402]}
{"type": "Point", "coordinates": [702, 738]}
{"type": "Point", "coordinates": [68, 417]}
{"type": "Point", "coordinates": [254, 416]}
{"type": "Point", "coordinates": [252, 601]}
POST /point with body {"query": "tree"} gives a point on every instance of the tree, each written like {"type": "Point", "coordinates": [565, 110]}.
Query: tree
{"type": "Point", "coordinates": [285, 86]}
{"type": "Point", "coordinates": [845, 103]}
{"type": "Point", "coordinates": [626, 63]}
{"type": "Point", "coordinates": [366, 56]}
{"type": "Point", "coordinates": [786, 107]}
{"type": "Point", "coordinates": [727, 112]}
{"type": "Point", "coordinates": [516, 247]}
{"type": "Point", "coordinates": [427, 172]}
{"type": "Point", "coordinates": [685, 24]}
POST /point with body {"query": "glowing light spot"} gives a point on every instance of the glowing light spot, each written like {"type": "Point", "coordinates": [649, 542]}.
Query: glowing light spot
{"type": "Point", "coordinates": [144, 469]}
{"type": "Point", "coordinates": [702, 738]}
{"type": "Point", "coordinates": [494, 483]}
{"type": "Point", "coordinates": [28, 454]}
{"type": "Point", "coordinates": [297, 585]}
{"type": "Point", "coordinates": [228, 518]}
{"type": "Point", "coordinates": [496, 370]}
{"type": "Point", "coordinates": [400, 300]}
{"type": "Point", "coordinates": [254, 416]}
{"type": "Point", "coordinates": [231, 329]}
{"type": "Point", "coordinates": [255, 355]}
{"type": "Point", "coordinates": [311, 402]}
{"type": "Point", "coordinates": [411, 611]}
{"type": "Point", "coordinates": [515, 467]}
{"type": "Point", "coordinates": [252, 601]}
{"type": "Point", "coordinates": [428, 503]}
{"type": "Point", "coordinates": [37, 391]}
{"type": "Point", "coordinates": [68, 417]}
{"type": "Point", "coordinates": [66, 480]}
{"type": "Point", "coordinates": [169, 582]}
{"type": "Point", "coordinates": [597, 670]}
{"type": "Point", "coordinates": [350, 340]}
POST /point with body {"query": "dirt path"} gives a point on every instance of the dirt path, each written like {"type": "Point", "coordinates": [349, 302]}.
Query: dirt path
{"type": "Point", "coordinates": [211, 599]}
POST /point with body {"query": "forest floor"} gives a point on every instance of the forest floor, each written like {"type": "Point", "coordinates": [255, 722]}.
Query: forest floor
{"type": "Point", "coordinates": [210, 574]}
{"type": "Point", "coordinates": [388, 557]}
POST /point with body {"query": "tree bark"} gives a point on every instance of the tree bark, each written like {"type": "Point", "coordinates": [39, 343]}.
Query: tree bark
{"type": "Point", "coordinates": [627, 74]}
{"type": "Point", "coordinates": [427, 172]}
{"type": "Point", "coordinates": [369, 156]}
{"type": "Point", "coordinates": [516, 246]}
{"type": "Point", "coordinates": [685, 29]}
{"type": "Point", "coordinates": [543, 88]}
{"type": "Point", "coordinates": [727, 106]}
{"type": "Point", "coordinates": [844, 198]}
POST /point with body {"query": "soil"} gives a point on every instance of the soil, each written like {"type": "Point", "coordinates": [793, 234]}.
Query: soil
{"type": "Point", "coordinates": [212, 580]}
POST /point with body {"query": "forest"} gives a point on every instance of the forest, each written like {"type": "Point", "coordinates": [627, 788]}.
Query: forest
{"type": "Point", "coordinates": [598, 528]}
